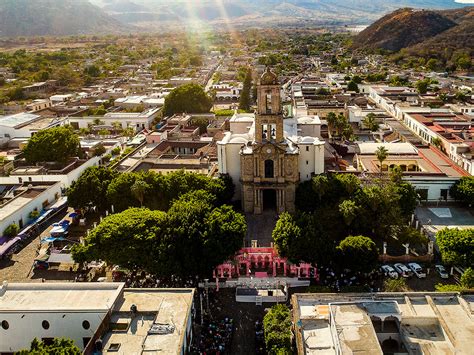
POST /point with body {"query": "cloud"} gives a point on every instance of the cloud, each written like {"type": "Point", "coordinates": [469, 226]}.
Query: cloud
{"type": "Point", "coordinates": [464, 1]}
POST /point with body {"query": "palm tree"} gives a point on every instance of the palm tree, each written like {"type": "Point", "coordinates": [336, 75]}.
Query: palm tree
{"type": "Point", "coordinates": [117, 126]}
{"type": "Point", "coordinates": [370, 123]}
{"type": "Point", "coordinates": [138, 190]}
{"type": "Point", "coordinates": [381, 153]}
{"type": "Point", "coordinates": [331, 119]}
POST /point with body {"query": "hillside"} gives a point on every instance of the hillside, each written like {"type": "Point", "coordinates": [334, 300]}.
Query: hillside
{"type": "Point", "coordinates": [418, 31]}
{"type": "Point", "coordinates": [403, 28]}
{"type": "Point", "coordinates": [245, 13]}
{"type": "Point", "coordinates": [55, 18]}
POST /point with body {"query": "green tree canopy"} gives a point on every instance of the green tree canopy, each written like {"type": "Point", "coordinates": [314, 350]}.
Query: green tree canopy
{"type": "Point", "coordinates": [352, 86]}
{"type": "Point", "coordinates": [91, 187]}
{"type": "Point", "coordinates": [456, 246]}
{"type": "Point", "coordinates": [359, 253]}
{"type": "Point", "coordinates": [467, 278]}
{"type": "Point", "coordinates": [244, 103]}
{"type": "Point", "coordinates": [370, 122]}
{"type": "Point", "coordinates": [277, 330]}
{"type": "Point", "coordinates": [463, 190]}
{"type": "Point", "coordinates": [422, 86]}
{"type": "Point", "coordinates": [189, 98]}
{"type": "Point", "coordinates": [60, 346]}
{"type": "Point", "coordinates": [190, 239]}
{"type": "Point", "coordinates": [54, 144]}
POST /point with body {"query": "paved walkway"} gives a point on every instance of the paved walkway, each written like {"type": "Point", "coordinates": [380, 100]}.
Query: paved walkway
{"type": "Point", "coordinates": [260, 228]}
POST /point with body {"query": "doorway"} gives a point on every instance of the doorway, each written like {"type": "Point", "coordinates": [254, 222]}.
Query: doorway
{"type": "Point", "coordinates": [269, 199]}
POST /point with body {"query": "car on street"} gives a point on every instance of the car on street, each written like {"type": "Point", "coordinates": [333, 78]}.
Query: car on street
{"type": "Point", "coordinates": [403, 270]}
{"type": "Point", "coordinates": [441, 270]}
{"type": "Point", "coordinates": [389, 271]}
{"type": "Point", "coordinates": [417, 270]}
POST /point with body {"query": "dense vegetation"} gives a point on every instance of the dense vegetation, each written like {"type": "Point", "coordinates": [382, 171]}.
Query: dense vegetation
{"type": "Point", "coordinates": [376, 209]}
{"type": "Point", "coordinates": [189, 98]}
{"type": "Point", "coordinates": [463, 190]}
{"type": "Point", "coordinates": [190, 239]}
{"type": "Point", "coordinates": [277, 330]}
{"type": "Point", "coordinates": [55, 144]}
{"type": "Point", "coordinates": [103, 187]}
{"type": "Point", "coordinates": [456, 246]}
{"type": "Point", "coordinates": [59, 346]}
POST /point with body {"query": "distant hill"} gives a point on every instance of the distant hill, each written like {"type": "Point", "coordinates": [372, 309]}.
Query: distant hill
{"type": "Point", "coordinates": [55, 18]}
{"type": "Point", "coordinates": [244, 13]}
{"type": "Point", "coordinates": [420, 30]}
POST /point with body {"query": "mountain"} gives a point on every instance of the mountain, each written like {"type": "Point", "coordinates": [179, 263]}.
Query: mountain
{"type": "Point", "coordinates": [242, 13]}
{"type": "Point", "coordinates": [420, 29]}
{"type": "Point", "coordinates": [55, 18]}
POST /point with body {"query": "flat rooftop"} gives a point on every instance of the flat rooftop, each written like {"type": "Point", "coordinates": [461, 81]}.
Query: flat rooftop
{"type": "Point", "coordinates": [427, 323]}
{"type": "Point", "coordinates": [168, 308]}
{"type": "Point", "coordinates": [63, 296]}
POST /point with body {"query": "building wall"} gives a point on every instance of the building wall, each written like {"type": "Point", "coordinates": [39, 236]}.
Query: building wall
{"type": "Point", "coordinates": [22, 215]}
{"type": "Point", "coordinates": [310, 161]}
{"type": "Point", "coordinates": [434, 186]}
{"type": "Point", "coordinates": [229, 163]}
{"type": "Point", "coordinates": [25, 326]}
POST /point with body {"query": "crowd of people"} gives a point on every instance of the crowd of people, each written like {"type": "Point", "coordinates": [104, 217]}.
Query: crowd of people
{"type": "Point", "coordinates": [215, 337]}
{"type": "Point", "coordinates": [142, 279]}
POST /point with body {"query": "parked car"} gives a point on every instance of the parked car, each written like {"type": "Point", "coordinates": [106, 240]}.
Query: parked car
{"type": "Point", "coordinates": [389, 271]}
{"type": "Point", "coordinates": [403, 270]}
{"type": "Point", "coordinates": [442, 271]}
{"type": "Point", "coordinates": [417, 270]}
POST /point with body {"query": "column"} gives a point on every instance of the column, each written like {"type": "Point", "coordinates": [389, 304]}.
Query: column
{"type": "Point", "coordinates": [274, 269]}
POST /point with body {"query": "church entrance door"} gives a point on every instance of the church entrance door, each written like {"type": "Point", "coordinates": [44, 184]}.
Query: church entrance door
{"type": "Point", "coordinates": [269, 199]}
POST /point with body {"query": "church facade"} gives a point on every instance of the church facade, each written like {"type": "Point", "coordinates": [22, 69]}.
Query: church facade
{"type": "Point", "coordinates": [265, 155]}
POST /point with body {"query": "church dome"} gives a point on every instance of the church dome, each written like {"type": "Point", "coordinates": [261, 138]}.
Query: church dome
{"type": "Point", "coordinates": [268, 78]}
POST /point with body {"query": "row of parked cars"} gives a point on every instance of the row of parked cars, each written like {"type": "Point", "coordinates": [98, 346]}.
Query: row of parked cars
{"type": "Point", "coordinates": [410, 269]}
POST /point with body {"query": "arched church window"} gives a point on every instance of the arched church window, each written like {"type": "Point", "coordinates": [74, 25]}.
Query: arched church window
{"type": "Point", "coordinates": [269, 168]}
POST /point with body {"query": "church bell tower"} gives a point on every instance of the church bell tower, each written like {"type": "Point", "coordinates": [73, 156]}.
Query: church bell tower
{"type": "Point", "coordinates": [269, 118]}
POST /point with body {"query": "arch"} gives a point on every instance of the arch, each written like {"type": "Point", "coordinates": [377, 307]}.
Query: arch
{"type": "Point", "coordinates": [412, 167]}
{"type": "Point", "coordinates": [269, 168]}
{"type": "Point", "coordinates": [403, 167]}
{"type": "Point", "coordinates": [390, 346]}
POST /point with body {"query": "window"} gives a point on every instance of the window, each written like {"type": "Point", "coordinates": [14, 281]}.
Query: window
{"type": "Point", "coordinates": [45, 324]}
{"type": "Point", "coordinates": [444, 194]}
{"type": "Point", "coordinates": [86, 325]}
{"type": "Point", "coordinates": [5, 324]}
{"type": "Point", "coordinates": [269, 168]}
{"type": "Point", "coordinates": [307, 162]}
{"type": "Point", "coordinates": [307, 149]}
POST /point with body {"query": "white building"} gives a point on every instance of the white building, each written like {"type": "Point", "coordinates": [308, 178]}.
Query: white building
{"type": "Point", "coordinates": [87, 312]}
{"type": "Point", "coordinates": [23, 125]}
{"type": "Point", "coordinates": [139, 121]}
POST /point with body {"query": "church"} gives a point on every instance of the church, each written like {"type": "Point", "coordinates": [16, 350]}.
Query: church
{"type": "Point", "coordinates": [268, 155]}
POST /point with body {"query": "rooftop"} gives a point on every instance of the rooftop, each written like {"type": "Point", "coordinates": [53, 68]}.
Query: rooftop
{"type": "Point", "coordinates": [170, 308]}
{"type": "Point", "coordinates": [34, 297]}
{"type": "Point", "coordinates": [18, 120]}
{"type": "Point", "coordinates": [425, 323]}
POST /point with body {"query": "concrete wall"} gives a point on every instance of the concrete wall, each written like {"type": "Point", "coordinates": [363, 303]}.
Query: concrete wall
{"type": "Point", "coordinates": [433, 185]}
{"type": "Point", "coordinates": [25, 326]}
